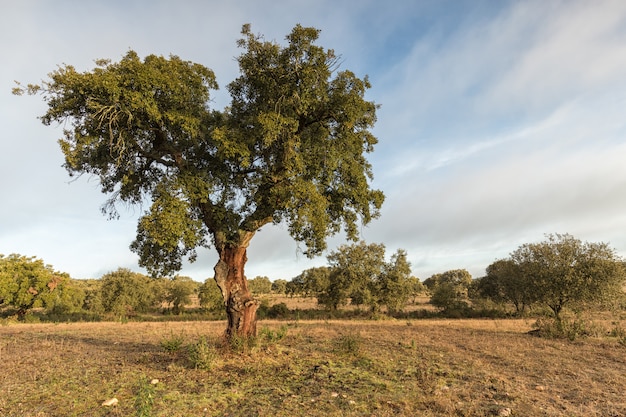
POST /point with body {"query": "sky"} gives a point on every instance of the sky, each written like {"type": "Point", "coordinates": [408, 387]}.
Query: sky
{"type": "Point", "coordinates": [500, 122]}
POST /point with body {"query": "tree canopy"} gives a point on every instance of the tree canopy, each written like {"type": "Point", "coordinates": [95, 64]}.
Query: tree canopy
{"type": "Point", "coordinates": [291, 147]}
{"type": "Point", "coordinates": [563, 270]}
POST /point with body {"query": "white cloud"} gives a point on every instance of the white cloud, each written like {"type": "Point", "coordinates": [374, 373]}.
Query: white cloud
{"type": "Point", "coordinates": [499, 123]}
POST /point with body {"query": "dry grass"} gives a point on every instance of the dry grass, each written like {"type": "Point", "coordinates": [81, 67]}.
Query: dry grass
{"type": "Point", "coordinates": [321, 368]}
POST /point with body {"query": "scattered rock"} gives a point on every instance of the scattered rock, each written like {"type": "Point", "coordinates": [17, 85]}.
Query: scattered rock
{"type": "Point", "coordinates": [154, 381]}
{"type": "Point", "coordinates": [504, 412]}
{"type": "Point", "coordinates": [110, 402]}
{"type": "Point", "coordinates": [540, 388]}
{"type": "Point", "coordinates": [334, 395]}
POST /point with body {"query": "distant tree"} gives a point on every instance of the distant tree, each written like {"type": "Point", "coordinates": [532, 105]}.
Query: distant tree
{"type": "Point", "coordinates": [260, 285]}
{"type": "Point", "coordinates": [359, 273]}
{"type": "Point", "coordinates": [279, 286]}
{"type": "Point", "coordinates": [311, 282]}
{"type": "Point", "coordinates": [449, 290]}
{"type": "Point", "coordinates": [179, 291]}
{"type": "Point", "coordinates": [563, 270]}
{"type": "Point", "coordinates": [417, 288]}
{"type": "Point", "coordinates": [289, 148]}
{"type": "Point", "coordinates": [210, 296]}
{"type": "Point", "coordinates": [294, 287]}
{"type": "Point", "coordinates": [394, 286]}
{"type": "Point", "coordinates": [92, 288]}
{"type": "Point", "coordinates": [505, 283]}
{"type": "Point", "coordinates": [27, 283]}
{"type": "Point", "coordinates": [353, 271]}
{"type": "Point", "coordinates": [125, 292]}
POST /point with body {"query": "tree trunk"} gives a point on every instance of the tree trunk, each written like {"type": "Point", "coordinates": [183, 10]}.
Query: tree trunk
{"type": "Point", "coordinates": [241, 307]}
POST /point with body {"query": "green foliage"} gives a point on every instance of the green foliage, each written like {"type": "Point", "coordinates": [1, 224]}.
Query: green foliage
{"type": "Point", "coordinates": [270, 336]}
{"type": "Point", "coordinates": [562, 271]}
{"type": "Point", "coordinates": [563, 328]}
{"type": "Point", "coordinates": [277, 311]}
{"type": "Point", "coordinates": [178, 292]}
{"type": "Point", "coordinates": [173, 343]}
{"type": "Point", "coordinates": [203, 354]}
{"type": "Point", "coordinates": [349, 344]}
{"type": "Point", "coordinates": [210, 296]}
{"type": "Point", "coordinates": [27, 283]}
{"type": "Point", "coordinates": [354, 269]}
{"type": "Point", "coordinates": [92, 288]}
{"type": "Point", "coordinates": [144, 399]}
{"type": "Point", "coordinates": [394, 286]}
{"type": "Point", "coordinates": [310, 283]}
{"type": "Point", "coordinates": [449, 290]}
{"type": "Point", "coordinates": [289, 148]}
{"type": "Point", "coordinates": [260, 285]}
{"type": "Point", "coordinates": [279, 286]}
{"type": "Point", "coordinates": [125, 293]}
{"type": "Point", "coordinates": [359, 272]}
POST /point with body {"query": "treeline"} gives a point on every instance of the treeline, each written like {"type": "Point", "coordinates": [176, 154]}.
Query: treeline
{"type": "Point", "coordinates": [558, 273]}
{"type": "Point", "coordinates": [27, 285]}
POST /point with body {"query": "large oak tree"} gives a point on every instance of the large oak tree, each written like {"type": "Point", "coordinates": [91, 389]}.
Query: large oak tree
{"type": "Point", "coordinates": [291, 147]}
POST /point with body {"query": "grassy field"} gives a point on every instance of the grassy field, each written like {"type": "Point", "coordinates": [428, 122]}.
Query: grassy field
{"type": "Point", "coordinates": [316, 368]}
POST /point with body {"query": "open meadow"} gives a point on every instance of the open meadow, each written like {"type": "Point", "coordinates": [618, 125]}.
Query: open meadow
{"type": "Point", "coordinates": [309, 368]}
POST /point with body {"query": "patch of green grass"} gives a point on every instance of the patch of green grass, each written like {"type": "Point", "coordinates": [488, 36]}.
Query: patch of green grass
{"type": "Point", "coordinates": [144, 398]}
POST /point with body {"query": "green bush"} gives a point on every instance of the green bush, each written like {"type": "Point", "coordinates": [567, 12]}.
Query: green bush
{"type": "Point", "coordinates": [173, 343]}
{"type": "Point", "coordinates": [565, 328]}
{"type": "Point", "coordinates": [203, 354]}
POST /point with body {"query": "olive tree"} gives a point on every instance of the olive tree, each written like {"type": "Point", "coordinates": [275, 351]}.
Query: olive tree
{"type": "Point", "coordinates": [291, 147]}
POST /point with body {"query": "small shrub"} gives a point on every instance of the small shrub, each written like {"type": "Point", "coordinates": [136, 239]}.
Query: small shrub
{"type": "Point", "coordinates": [571, 329]}
{"type": "Point", "coordinates": [173, 343]}
{"type": "Point", "coordinates": [270, 336]}
{"type": "Point", "coordinates": [619, 333]}
{"type": "Point", "coordinates": [349, 344]}
{"type": "Point", "coordinates": [241, 344]}
{"type": "Point", "coordinates": [202, 354]}
{"type": "Point", "coordinates": [279, 310]}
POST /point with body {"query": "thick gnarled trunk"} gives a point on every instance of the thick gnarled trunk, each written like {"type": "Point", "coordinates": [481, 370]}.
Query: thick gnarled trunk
{"type": "Point", "coordinates": [241, 307]}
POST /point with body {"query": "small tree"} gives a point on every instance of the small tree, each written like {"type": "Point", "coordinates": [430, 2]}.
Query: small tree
{"type": "Point", "coordinates": [354, 269]}
{"type": "Point", "coordinates": [179, 291]}
{"type": "Point", "coordinates": [562, 270]}
{"type": "Point", "coordinates": [394, 286]}
{"type": "Point", "coordinates": [289, 148]}
{"type": "Point", "coordinates": [449, 290]}
{"type": "Point", "coordinates": [505, 283]}
{"type": "Point", "coordinates": [359, 272]}
{"type": "Point", "coordinates": [311, 282]}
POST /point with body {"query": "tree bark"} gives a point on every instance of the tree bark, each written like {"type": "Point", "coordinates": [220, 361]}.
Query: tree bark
{"type": "Point", "coordinates": [240, 306]}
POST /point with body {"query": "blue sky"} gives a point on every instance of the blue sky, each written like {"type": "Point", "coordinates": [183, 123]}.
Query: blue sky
{"type": "Point", "coordinates": [501, 121]}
